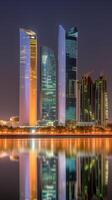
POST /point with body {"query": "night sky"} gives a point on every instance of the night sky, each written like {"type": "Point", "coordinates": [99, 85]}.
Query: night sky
{"type": "Point", "coordinates": [93, 20]}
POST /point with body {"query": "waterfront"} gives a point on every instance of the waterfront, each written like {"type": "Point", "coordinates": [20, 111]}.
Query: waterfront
{"type": "Point", "coordinates": [56, 169]}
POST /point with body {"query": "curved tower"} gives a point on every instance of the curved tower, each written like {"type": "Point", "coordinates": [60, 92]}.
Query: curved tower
{"type": "Point", "coordinates": [28, 78]}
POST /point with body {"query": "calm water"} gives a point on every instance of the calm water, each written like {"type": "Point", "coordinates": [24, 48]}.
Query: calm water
{"type": "Point", "coordinates": [51, 169]}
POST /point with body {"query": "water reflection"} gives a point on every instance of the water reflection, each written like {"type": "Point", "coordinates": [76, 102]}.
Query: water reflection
{"type": "Point", "coordinates": [69, 169]}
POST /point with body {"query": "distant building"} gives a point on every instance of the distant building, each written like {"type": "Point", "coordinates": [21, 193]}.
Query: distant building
{"type": "Point", "coordinates": [101, 101]}
{"type": "Point", "coordinates": [92, 101]}
{"type": "Point", "coordinates": [78, 108]}
{"type": "Point", "coordinates": [86, 90]}
{"type": "Point", "coordinates": [48, 84]}
{"type": "Point", "coordinates": [28, 78]}
{"type": "Point", "coordinates": [14, 121]}
{"type": "Point", "coordinates": [67, 74]}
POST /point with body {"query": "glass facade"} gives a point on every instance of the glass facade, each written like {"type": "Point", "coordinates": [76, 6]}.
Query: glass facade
{"type": "Point", "coordinates": [61, 76]}
{"type": "Point", "coordinates": [28, 78]}
{"type": "Point", "coordinates": [71, 73]}
{"type": "Point", "coordinates": [86, 99]}
{"type": "Point", "coordinates": [48, 84]}
{"type": "Point", "coordinates": [101, 101]}
{"type": "Point", "coordinates": [67, 74]}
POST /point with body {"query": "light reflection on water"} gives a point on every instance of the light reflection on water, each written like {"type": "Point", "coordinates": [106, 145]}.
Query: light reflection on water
{"type": "Point", "coordinates": [56, 169]}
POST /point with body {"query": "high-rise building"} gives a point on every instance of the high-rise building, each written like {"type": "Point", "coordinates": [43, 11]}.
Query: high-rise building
{"type": "Point", "coordinates": [28, 78]}
{"type": "Point", "coordinates": [78, 108]}
{"type": "Point", "coordinates": [48, 84]}
{"type": "Point", "coordinates": [86, 90]}
{"type": "Point", "coordinates": [71, 73]}
{"type": "Point", "coordinates": [67, 74]}
{"type": "Point", "coordinates": [61, 76]}
{"type": "Point", "coordinates": [101, 101]}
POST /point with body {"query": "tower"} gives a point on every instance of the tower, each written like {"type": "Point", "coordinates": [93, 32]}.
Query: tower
{"type": "Point", "coordinates": [67, 74]}
{"type": "Point", "coordinates": [101, 101]}
{"type": "Point", "coordinates": [48, 84]}
{"type": "Point", "coordinates": [28, 78]}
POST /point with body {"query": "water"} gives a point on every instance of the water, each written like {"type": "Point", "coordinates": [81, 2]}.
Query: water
{"type": "Point", "coordinates": [52, 169]}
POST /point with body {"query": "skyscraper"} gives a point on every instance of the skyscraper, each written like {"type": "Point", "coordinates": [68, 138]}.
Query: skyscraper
{"type": "Point", "coordinates": [67, 74]}
{"type": "Point", "coordinates": [86, 99]}
{"type": "Point", "coordinates": [101, 101]}
{"type": "Point", "coordinates": [28, 78]}
{"type": "Point", "coordinates": [71, 72]}
{"type": "Point", "coordinates": [61, 76]}
{"type": "Point", "coordinates": [48, 84]}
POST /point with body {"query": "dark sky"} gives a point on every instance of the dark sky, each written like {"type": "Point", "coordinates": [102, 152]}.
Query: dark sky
{"type": "Point", "coordinates": [92, 18]}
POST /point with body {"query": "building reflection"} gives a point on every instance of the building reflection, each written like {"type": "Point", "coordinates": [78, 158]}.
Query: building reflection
{"type": "Point", "coordinates": [47, 176]}
{"type": "Point", "coordinates": [28, 175]}
{"type": "Point", "coordinates": [58, 174]}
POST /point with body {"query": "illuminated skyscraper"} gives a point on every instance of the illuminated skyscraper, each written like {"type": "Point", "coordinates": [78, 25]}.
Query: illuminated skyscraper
{"type": "Point", "coordinates": [28, 78]}
{"type": "Point", "coordinates": [71, 73]}
{"type": "Point", "coordinates": [61, 76]}
{"type": "Point", "coordinates": [48, 84]}
{"type": "Point", "coordinates": [101, 101]}
{"type": "Point", "coordinates": [87, 99]}
{"type": "Point", "coordinates": [67, 74]}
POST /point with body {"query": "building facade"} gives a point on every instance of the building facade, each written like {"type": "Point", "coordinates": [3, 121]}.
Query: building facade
{"type": "Point", "coordinates": [87, 98]}
{"type": "Point", "coordinates": [101, 101]}
{"type": "Point", "coordinates": [71, 73]}
{"type": "Point", "coordinates": [28, 78]}
{"type": "Point", "coordinates": [61, 76]}
{"type": "Point", "coordinates": [93, 100]}
{"type": "Point", "coordinates": [67, 74]}
{"type": "Point", "coordinates": [48, 84]}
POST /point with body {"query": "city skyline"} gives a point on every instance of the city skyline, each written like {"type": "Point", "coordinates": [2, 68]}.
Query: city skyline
{"type": "Point", "coordinates": [55, 99]}
{"type": "Point", "coordinates": [94, 46]}
{"type": "Point", "coordinates": [62, 97]}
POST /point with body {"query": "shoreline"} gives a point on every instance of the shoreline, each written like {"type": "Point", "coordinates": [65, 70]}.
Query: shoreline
{"type": "Point", "coordinates": [39, 136]}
